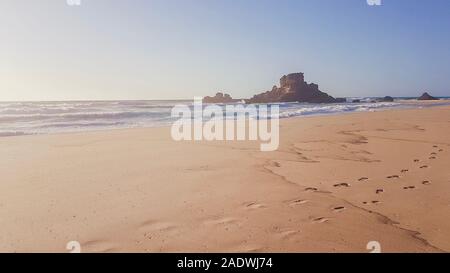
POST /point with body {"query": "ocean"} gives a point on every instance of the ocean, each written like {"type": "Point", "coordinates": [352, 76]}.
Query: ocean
{"type": "Point", "coordinates": [28, 118]}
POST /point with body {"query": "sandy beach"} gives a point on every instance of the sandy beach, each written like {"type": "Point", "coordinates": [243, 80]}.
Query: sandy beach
{"type": "Point", "coordinates": [335, 184]}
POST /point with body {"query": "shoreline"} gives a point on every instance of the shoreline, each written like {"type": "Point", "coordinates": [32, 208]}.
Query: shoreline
{"type": "Point", "coordinates": [336, 183]}
{"type": "Point", "coordinates": [426, 104]}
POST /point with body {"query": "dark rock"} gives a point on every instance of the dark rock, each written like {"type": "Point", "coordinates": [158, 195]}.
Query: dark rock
{"type": "Point", "coordinates": [426, 96]}
{"type": "Point", "coordinates": [293, 88]}
{"type": "Point", "coordinates": [386, 99]}
{"type": "Point", "coordinates": [356, 101]}
{"type": "Point", "coordinates": [219, 98]}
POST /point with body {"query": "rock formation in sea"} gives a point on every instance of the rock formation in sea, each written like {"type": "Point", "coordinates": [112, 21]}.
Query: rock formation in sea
{"type": "Point", "coordinates": [426, 96]}
{"type": "Point", "coordinates": [219, 98]}
{"type": "Point", "coordinates": [294, 88]}
{"type": "Point", "coordinates": [385, 99]}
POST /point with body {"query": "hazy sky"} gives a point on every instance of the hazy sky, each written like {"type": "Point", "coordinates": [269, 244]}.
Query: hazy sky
{"type": "Point", "coordinates": [151, 49]}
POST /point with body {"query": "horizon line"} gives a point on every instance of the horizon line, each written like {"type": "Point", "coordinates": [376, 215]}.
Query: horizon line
{"type": "Point", "coordinates": [110, 100]}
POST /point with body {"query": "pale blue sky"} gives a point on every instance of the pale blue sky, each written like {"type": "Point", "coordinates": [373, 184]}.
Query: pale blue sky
{"type": "Point", "coordinates": [151, 49]}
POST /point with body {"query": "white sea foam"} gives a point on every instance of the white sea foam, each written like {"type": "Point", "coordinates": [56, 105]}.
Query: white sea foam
{"type": "Point", "coordinates": [23, 118]}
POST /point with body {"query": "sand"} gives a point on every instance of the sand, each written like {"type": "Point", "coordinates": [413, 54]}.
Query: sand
{"type": "Point", "coordinates": [335, 184]}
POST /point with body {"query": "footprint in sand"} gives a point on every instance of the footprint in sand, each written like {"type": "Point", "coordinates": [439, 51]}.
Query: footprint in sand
{"type": "Point", "coordinates": [435, 146]}
{"type": "Point", "coordinates": [363, 179]}
{"type": "Point", "coordinates": [311, 189]}
{"type": "Point", "coordinates": [424, 167]}
{"type": "Point", "coordinates": [409, 188]}
{"type": "Point", "coordinates": [287, 234]}
{"type": "Point", "coordinates": [321, 220]}
{"type": "Point", "coordinates": [297, 202]}
{"type": "Point", "coordinates": [393, 176]}
{"type": "Point", "coordinates": [254, 205]}
{"type": "Point", "coordinates": [372, 202]}
{"type": "Point", "coordinates": [99, 246]}
{"type": "Point", "coordinates": [426, 182]}
{"type": "Point", "coordinates": [199, 169]}
{"type": "Point", "coordinates": [416, 160]}
{"type": "Point", "coordinates": [246, 248]}
{"type": "Point", "coordinates": [404, 170]}
{"type": "Point", "coordinates": [221, 221]}
{"type": "Point", "coordinates": [441, 150]}
{"type": "Point", "coordinates": [433, 154]}
{"type": "Point", "coordinates": [433, 157]}
{"type": "Point", "coordinates": [378, 191]}
{"type": "Point", "coordinates": [338, 209]}
{"type": "Point", "coordinates": [346, 185]}
{"type": "Point", "coordinates": [157, 226]}
{"type": "Point", "coordinates": [277, 164]}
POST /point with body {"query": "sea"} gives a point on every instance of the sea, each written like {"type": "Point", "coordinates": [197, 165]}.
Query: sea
{"type": "Point", "coordinates": [30, 118]}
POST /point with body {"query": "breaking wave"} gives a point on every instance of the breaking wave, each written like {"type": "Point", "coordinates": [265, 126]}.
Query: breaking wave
{"type": "Point", "coordinates": [25, 118]}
